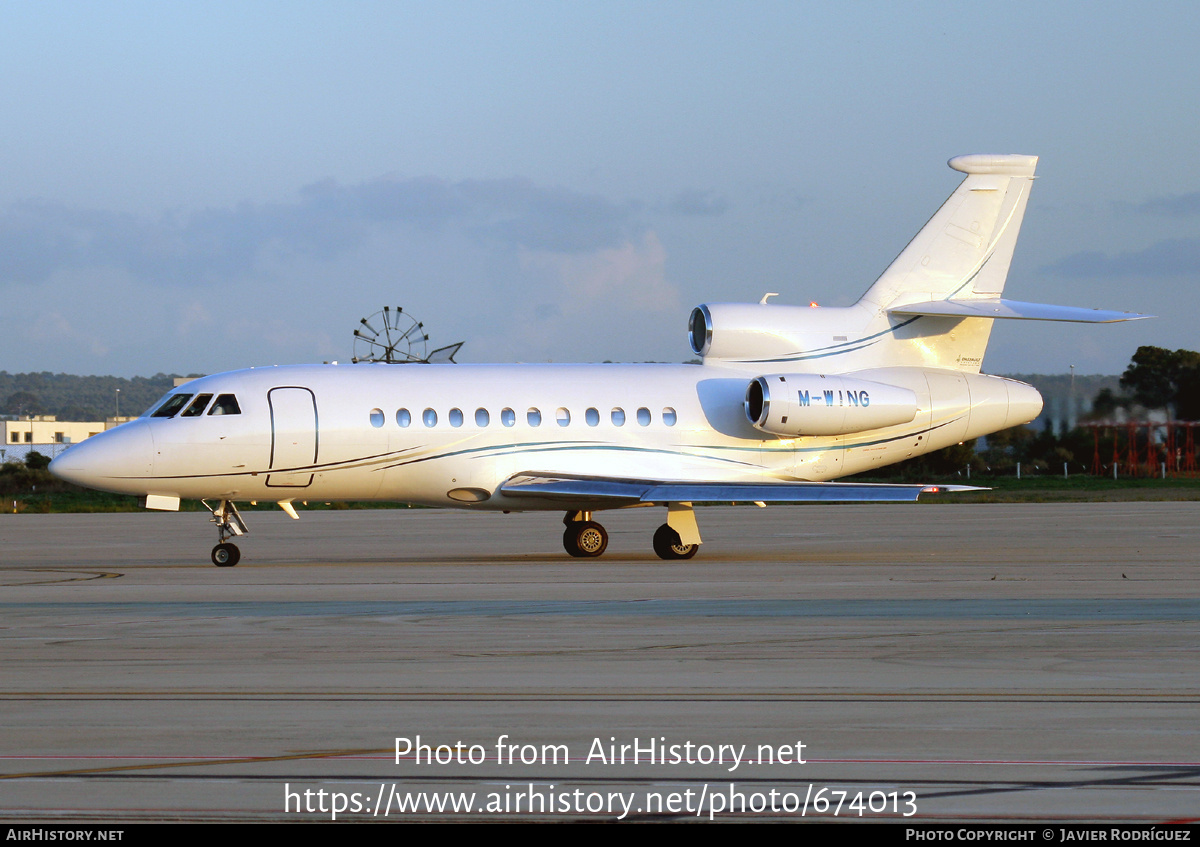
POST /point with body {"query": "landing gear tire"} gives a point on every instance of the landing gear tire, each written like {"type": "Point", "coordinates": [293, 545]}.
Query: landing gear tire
{"type": "Point", "coordinates": [668, 546]}
{"type": "Point", "coordinates": [226, 555]}
{"type": "Point", "coordinates": [585, 539]}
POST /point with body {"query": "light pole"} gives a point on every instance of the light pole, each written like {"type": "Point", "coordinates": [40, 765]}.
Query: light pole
{"type": "Point", "coordinates": [1071, 402]}
{"type": "Point", "coordinates": [119, 402]}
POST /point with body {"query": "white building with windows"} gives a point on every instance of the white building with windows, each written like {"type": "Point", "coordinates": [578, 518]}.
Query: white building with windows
{"type": "Point", "coordinates": [46, 434]}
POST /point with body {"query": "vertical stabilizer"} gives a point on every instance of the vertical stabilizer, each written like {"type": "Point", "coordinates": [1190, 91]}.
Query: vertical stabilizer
{"type": "Point", "coordinates": [963, 253]}
{"type": "Point", "coordinates": [967, 247]}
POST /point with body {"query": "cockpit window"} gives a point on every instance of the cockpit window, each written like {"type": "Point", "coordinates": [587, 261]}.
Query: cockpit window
{"type": "Point", "coordinates": [155, 405]}
{"type": "Point", "coordinates": [197, 407]}
{"type": "Point", "coordinates": [172, 406]}
{"type": "Point", "coordinates": [226, 404]}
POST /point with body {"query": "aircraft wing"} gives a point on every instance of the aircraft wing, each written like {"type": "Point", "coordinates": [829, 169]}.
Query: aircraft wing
{"type": "Point", "coordinates": [996, 307]}
{"type": "Point", "coordinates": [617, 492]}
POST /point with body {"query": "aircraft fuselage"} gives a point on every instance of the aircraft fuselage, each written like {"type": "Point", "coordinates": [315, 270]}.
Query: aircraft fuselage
{"type": "Point", "coordinates": [450, 435]}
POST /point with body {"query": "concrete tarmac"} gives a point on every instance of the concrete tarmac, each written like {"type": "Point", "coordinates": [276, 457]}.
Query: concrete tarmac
{"type": "Point", "coordinates": [973, 663]}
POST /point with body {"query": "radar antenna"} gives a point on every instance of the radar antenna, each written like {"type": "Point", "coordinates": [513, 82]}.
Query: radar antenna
{"type": "Point", "coordinates": [396, 337]}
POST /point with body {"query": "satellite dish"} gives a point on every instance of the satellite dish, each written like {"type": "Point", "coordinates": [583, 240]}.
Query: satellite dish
{"type": "Point", "coordinates": [396, 337]}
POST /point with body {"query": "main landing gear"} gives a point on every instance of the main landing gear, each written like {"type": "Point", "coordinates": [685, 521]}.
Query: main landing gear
{"type": "Point", "coordinates": [583, 538]}
{"type": "Point", "coordinates": [668, 545]}
{"type": "Point", "coordinates": [678, 538]}
{"type": "Point", "coordinates": [229, 524]}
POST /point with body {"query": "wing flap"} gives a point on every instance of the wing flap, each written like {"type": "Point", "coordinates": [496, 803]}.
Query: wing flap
{"type": "Point", "coordinates": [628, 491]}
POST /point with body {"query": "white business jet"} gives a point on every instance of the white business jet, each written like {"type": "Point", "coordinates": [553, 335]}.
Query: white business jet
{"type": "Point", "coordinates": [786, 399]}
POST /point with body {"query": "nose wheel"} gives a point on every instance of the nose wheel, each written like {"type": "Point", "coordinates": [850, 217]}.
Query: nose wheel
{"type": "Point", "coordinates": [229, 524]}
{"type": "Point", "coordinates": [226, 555]}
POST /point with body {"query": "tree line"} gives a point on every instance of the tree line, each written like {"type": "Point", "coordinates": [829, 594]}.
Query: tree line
{"type": "Point", "coordinates": [79, 398]}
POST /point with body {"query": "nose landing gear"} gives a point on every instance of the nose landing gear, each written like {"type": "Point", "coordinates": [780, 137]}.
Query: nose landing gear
{"type": "Point", "coordinates": [229, 524]}
{"type": "Point", "coordinates": [226, 555]}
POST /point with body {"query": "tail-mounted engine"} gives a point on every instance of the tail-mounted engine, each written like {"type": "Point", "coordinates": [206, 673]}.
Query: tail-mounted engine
{"type": "Point", "coordinates": [813, 404]}
{"type": "Point", "coordinates": [757, 331]}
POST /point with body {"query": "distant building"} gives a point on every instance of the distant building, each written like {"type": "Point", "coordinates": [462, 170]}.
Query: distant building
{"type": "Point", "coordinates": [1068, 400]}
{"type": "Point", "coordinates": [46, 434]}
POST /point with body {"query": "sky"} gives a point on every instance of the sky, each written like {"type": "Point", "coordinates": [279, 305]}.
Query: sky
{"type": "Point", "coordinates": [198, 187]}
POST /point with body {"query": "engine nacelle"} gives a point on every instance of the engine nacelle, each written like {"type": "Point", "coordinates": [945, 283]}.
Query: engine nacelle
{"type": "Point", "coordinates": [813, 404]}
{"type": "Point", "coordinates": [756, 331]}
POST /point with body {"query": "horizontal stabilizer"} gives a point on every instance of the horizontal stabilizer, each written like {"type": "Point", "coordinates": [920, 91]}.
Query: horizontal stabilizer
{"type": "Point", "coordinates": [593, 490]}
{"type": "Point", "coordinates": [1014, 310]}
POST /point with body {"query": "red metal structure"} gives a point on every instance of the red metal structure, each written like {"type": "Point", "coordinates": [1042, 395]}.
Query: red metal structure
{"type": "Point", "coordinates": [1172, 443]}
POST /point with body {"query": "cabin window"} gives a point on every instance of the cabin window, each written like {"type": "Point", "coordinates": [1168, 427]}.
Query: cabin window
{"type": "Point", "coordinates": [669, 416]}
{"type": "Point", "coordinates": [429, 417]}
{"type": "Point", "coordinates": [172, 406]}
{"type": "Point", "coordinates": [456, 417]}
{"type": "Point", "coordinates": [377, 418]}
{"type": "Point", "coordinates": [226, 404]}
{"type": "Point", "coordinates": [592, 416]}
{"type": "Point", "coordinates": [482, 418]}
{"type": "Point", "coordinates": [618, 416]}
{"type": "Point", "coordinates": [403, 417]}
{"type": "Point", "coordinates": [197, 408]}
{"type": "Point", "coordinates": [508, 417]}
{"type": "Point", "coordinates": [643, 416]}
{"type": "Point", "coordinates": [534, 416]}
{"type": "Point", "coordinates": [563, 416]}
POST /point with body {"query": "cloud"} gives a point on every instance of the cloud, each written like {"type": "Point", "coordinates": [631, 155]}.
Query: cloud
{"type": "Point", "coordinates": [604, 304]}
{"type": "Point", "coordinates": [786, 201]}
{"type": "Point", "coordinates": [632, 274]}
{"type": "Point", "coordinates": [38, 330]}
{"type": "Point", "coordinates": [693, 202]}
{"type": "Point", "coordinates": [1173, 257]}
{"type": "Point", "coordinates": [1173, 205]}
{"type": "Point", "coordinates": [193, 316]}
{"type": "Point", "coordinates": [37, 239]}
{"type": "Point", "coordinates": [517, 270]}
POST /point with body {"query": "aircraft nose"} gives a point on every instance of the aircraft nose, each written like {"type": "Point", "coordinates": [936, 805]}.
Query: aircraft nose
{"type": "Point", "coordinates": [118, 460]}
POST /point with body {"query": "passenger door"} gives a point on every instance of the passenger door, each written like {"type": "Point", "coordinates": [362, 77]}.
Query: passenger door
{"type": "Point", "coordinates": [294, 441]}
